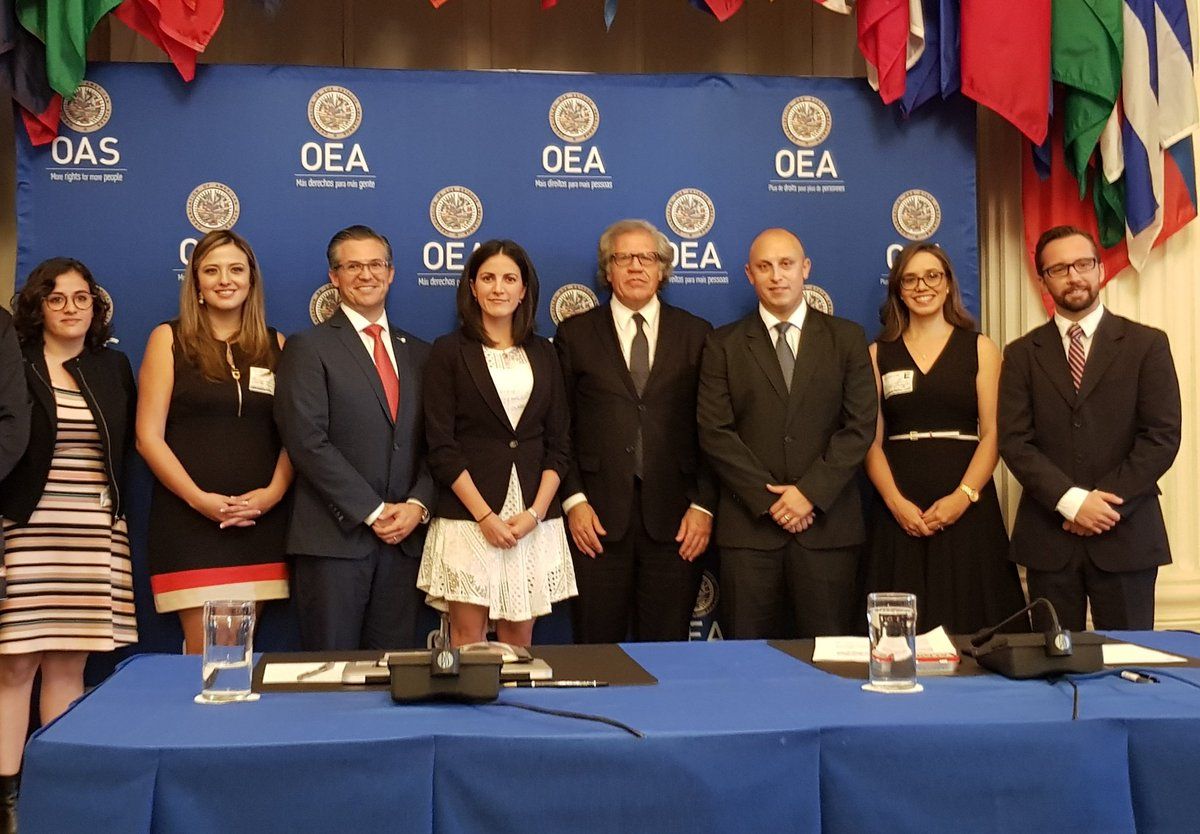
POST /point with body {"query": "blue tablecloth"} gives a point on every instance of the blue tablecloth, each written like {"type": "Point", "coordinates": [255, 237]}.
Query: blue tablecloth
{"type": "Point", "coordinates": [738, 737]}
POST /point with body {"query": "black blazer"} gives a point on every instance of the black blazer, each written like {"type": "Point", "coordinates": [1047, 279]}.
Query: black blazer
{"type": "Point", "coordinates": [1120, 434]}
{"type": "Point", "coordinates": [106, 382]}
{"type": "Point", "coordinates": [606, 412]}
{"type": "Point", "coordinates": [756, 432]}
{"type": "Point", "coordinates": [466, 426]}
{"type": "Point", "coordinates": [14, 399]}
{"type": "Point", "coordinates": [348, 453]}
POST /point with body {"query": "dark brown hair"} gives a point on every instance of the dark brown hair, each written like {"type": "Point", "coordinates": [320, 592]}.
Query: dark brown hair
{"type": "Point", "coordinates": [1058, 233]}
{"type": "Point", "coordinates": [358, 232]}
{"type": "Point", "coordinates": [28, 317]}
{"type": "Point", "coordinates": [893, 314]}
{"type": "Point", "coordinates": [470, 317]}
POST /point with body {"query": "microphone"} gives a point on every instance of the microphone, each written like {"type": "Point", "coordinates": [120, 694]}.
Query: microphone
{"type": "Point", "coordinates": [1057, 639]}
{"type": "Point", "coordinates": [1049, 654]}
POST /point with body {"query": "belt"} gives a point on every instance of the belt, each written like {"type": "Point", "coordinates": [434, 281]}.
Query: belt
{"type": "Point", "coordinates": [933, 435]}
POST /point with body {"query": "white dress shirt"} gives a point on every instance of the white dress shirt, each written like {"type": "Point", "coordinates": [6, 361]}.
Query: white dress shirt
{"type": "Point", "coordinates": [1068, 506]}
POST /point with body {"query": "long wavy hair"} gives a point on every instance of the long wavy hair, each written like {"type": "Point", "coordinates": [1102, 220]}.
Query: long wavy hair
{"type": "Point", "coordinates": [28, 317]}
{"type": "Point", "coordinates": [893, 314]}
{"type": "Point", "coordinates": [195, 339]}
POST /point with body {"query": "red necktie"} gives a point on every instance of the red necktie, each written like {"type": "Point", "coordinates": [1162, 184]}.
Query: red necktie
{"type": "Point", "coordinates": [383, 364]}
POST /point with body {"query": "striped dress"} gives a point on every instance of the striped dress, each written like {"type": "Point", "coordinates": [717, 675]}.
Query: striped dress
{"type": "Point", "coordinates": [70, 583]}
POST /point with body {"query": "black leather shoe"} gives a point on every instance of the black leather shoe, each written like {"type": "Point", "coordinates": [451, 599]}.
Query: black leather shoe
{"type": "Point", "coordinates": [8, 804]}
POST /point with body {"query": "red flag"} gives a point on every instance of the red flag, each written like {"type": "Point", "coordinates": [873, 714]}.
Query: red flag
{"type": "Point", "coordinates": [723, 9]}
{"type": "Point", "coordinates": [180, 28]}
{"type": "Point", "coordinates": [43, 127]}
{"type": "Point", "coordinates": [1006, 61]}
{"type": "Point", "coordinates": [883, 41]}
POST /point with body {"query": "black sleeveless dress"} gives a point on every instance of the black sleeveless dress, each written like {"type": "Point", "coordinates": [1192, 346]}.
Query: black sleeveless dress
{"type": "Point", "coordinates": [228, 444]}
{"type": "Point", "coordinates": [961, 575]}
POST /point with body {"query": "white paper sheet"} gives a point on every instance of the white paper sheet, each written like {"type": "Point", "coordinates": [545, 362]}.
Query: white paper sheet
{"type": "Point", "coordinates": [1127, 654]}
{"type": "Point", "coordinates": [303, 672]}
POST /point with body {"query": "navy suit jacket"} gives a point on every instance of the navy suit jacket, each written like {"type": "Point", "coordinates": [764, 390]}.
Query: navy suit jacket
{"type": "Point", "coordinates": [1119, 433]}
{"type": "Point", "coordinates": [348, 453]}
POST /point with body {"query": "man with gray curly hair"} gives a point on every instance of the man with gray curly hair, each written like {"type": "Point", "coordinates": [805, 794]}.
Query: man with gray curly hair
{"type": "Point", "coordinates": [638, 495]}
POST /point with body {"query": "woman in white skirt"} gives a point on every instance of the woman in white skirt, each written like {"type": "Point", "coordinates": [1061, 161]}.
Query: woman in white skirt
{"type": "Point", "coordinates": [497, 426]}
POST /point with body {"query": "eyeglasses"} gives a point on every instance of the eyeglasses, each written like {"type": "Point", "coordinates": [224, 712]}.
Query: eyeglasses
{"type": "Point", "coordinates": [354, 269]}
{"type": "Point", "coordinates": [57, 301]}
{"type": "Point", "coordinates": [626, 258]}
{"type": "Point", "coordinates": [1081, 267]}
{"type": "Point", "coordinates": [932, 279]}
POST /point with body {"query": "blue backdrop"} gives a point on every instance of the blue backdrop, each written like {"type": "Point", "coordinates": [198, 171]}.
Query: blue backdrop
{"type": "Point", "coordinates": [441, 161]}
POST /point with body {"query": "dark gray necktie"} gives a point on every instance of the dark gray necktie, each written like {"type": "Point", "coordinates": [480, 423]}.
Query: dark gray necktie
{"type": "Point", "coordinates": [639, 355]}
{"type": "Point", "coordinates": [639, 369]}
{"type": "Point", "coordinates": [783, 351]}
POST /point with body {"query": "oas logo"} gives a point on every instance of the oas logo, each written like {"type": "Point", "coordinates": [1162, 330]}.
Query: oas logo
{"type": "Point", "coordinates": [571, 300]}
{"type": "Point", "coordinates": [807, 121]}
{"type": "Point", "coordinates": [212, 206]}
{"type": "Point", "coordinates": [103, 293]}
{"type": "Point", "coordinates": [574, 117]}
{"type": "Point", "coordinates": [89, 109]}
{"type": "Point", "coordinates": [690, 213]}
{"type": "Point", "coordinates": [916, 214]}
{"type": "Point", "coordinates": [818, 299]}
{"type": "Point", "coordinates": [706, 599]}
{"type": "Point", "coordinates": [324, 303]}
{"type": "Point", "coordinates": [456, 211]}
{"type": "Point", "coordinates": [334, 112]}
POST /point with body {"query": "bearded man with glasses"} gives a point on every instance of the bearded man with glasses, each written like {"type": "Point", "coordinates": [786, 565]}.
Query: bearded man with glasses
{"type": "Point", "coordinates": [639, 496]}
{"type": "Point", "coordinates": [1089, 420]}
{"type": "Point", "coordinates": [349, 412]}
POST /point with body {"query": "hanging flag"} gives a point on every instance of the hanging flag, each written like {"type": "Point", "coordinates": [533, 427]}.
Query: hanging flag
{"type": "Point", "coordinates": [936, 72]}
{"type": "Point", "coordinates": [883, 39]}
{"type": "Point", "coordinates": [42, 126]}
{"type": "Point", "coordinates": [1159, 108]}
{"type": "Point", "coordinates": [1006, 61]}
{"type": "Point", "coordinates": [722, 10]}
{"type": "Point", "coordinates": [610, 13]}
{"type": "Point", "coordinates": [64, 26]}
{"type": "Point", "coordinates": [180, 28]}
{"type": "Point", "coordinates": [23, 64]}
{"type": "Point", "coordinates": [1085, 57]}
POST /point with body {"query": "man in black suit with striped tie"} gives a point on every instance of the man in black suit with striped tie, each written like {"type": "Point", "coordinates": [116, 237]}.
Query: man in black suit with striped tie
{"type": "Point", "coordinates": [1089, 420]}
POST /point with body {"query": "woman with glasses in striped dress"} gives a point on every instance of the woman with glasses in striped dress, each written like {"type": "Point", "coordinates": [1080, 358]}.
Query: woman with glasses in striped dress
{"type": "Point", "coordinates": [69, 588]}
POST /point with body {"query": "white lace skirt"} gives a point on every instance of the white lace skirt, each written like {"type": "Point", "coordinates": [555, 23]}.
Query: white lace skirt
{"type": "Point", "coordinates": [515, 584]}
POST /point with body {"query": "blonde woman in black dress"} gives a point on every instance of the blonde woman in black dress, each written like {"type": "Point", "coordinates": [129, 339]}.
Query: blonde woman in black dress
{"type": "Point", "coordinates": [206, 430]}
{"type": "Point", "coordinates": [939, 532]}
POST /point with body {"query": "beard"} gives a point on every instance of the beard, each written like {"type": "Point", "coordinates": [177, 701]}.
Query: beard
{"type": "Point", "coordinates": [1077, 299]}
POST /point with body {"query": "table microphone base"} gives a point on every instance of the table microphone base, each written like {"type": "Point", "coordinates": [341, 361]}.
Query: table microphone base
{"type": "Point", "coordinates": [1025, 656]}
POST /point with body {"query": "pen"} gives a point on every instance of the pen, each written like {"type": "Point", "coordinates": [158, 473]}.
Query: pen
{"type": "Point", "coordinates": [1137, 677]}
{"type": "Point", "coordinates": [312, 673]}
{"type": "Point", "coordinates": [554, 684]}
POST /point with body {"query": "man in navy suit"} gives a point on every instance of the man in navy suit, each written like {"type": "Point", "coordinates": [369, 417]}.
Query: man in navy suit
{"type": "Point", "coordinates": [349, 411]}
{"type": "Point", "coordinates": [1089, 418]}
{"type": "Point", "coordinates": [639, 496]}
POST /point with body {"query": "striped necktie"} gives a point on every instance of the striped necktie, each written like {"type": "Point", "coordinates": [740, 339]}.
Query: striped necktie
{"type": "Point", "coordinates": [1075, 356]}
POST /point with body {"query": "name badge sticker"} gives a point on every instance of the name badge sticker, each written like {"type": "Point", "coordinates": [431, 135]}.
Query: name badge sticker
{"type": "Point", "coordinates": [896, 382]}
{"type": "Point", "coordinates": [262, 380]}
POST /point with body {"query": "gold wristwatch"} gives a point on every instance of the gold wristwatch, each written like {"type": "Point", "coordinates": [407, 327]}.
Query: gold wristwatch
{"type": "Point", "coordinates": [973, 494]}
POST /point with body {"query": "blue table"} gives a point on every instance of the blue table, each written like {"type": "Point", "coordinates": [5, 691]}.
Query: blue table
{"type": "Point", "coordinates": [738, 737]}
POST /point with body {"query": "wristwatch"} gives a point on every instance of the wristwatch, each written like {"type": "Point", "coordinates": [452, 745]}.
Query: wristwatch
{"type": "Point", "coordinates": [537, 519]}
{"type": "Point", "coordinates": [973, 494]}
